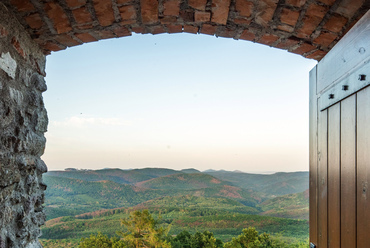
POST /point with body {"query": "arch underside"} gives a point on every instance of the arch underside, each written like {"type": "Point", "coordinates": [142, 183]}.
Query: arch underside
{"type": "Point", "coordinates": [306, 27]}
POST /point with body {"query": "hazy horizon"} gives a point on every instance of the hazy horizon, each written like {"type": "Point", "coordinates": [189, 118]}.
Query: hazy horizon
{"type": "Point", "coordinates": [177, 101]}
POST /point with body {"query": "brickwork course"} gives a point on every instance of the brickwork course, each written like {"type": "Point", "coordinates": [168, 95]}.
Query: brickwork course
{"type": "Point", "coordinates": [306, 27]}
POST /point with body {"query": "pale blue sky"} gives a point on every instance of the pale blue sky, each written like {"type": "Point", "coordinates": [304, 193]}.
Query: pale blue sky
{"type": "Point", "coordinates": [177, 101]}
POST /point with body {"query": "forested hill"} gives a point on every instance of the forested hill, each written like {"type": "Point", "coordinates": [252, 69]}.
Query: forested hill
{"type": "Point", "coordinates": [275, 184]}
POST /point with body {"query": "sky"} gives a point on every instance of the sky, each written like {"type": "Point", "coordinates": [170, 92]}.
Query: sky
{"type": "Point", "coordinates": [177, 101]}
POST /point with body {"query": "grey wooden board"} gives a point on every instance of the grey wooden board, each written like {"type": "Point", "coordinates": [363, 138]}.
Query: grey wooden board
{"type": "Point", "coordinates": [334, 176]}
{"type": "Point", "coordinates": [348, 172]}
{"type": "Point", "coordinates": [349, 53]}
{"type": "Point", "coordinates": [313, 158]}
{"type": "Point", "coordinates": [323, 179]}
{"type": "Point", "coordinates": [363, 168]}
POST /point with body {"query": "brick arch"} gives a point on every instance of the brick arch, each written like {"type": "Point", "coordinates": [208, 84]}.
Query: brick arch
{"type": "Point", "coordinates": [306, 27]}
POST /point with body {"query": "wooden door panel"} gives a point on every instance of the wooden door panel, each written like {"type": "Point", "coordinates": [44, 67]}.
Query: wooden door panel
{"type": "Point", "coordinates": [323, 179]}
{"type": "Point", "coordinates": [348, 172]}
{"type": "Point", "coordinates": [363, 168]}
{"type": "Point", "coordinates": [334, 176]}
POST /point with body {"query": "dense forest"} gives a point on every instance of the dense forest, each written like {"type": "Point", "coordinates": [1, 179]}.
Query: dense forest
{"type": "Point", "coordinates": [92, 204]}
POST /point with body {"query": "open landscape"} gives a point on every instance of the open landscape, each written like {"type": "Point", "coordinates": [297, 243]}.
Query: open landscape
{"type": "Point", "coordinates": [80, 203]}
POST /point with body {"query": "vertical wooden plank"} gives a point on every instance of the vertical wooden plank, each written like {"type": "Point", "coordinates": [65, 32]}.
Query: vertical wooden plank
{"type": "Point", "coordinates": [348, 172]}
{"type": "Point", "coordinates": [323, 179]}
{"type": "Point", "coordinates": [334, 176]}
{"type": "Point", "coordinates": [363, 168]}
{"type": "Point", "coordinates": [313, 158]}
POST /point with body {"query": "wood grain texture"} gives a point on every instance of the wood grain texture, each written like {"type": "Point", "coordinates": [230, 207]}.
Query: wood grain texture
{"type": "Point", "coordinates": [348, 172]}
{"type": "Point", "coordinates": [323, 179]}
{"type": "Point", "coordinates": [363, 168]}
{"type": "Point", "coordinates": [334, 176]}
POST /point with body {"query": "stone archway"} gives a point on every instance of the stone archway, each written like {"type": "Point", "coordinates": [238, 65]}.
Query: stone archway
{"type": "Point", "coordinates": [31, 29]}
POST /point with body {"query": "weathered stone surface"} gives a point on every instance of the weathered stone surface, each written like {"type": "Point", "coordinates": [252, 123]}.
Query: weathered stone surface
{"type": "Point", "coordinates": [23, 121]}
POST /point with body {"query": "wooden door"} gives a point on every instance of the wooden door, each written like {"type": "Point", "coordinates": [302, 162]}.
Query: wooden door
{"type": "Point", "coordinates": [340, 143]}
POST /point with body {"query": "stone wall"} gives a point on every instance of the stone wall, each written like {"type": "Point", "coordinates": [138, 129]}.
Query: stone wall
{"type": "Point", "coordinates": [23, 121]}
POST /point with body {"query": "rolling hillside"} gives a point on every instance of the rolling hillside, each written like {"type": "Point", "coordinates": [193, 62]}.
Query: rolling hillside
{"type": "Point", "coordinates": [294, 206]}
{"type": "Point", "coordinates": [280, 183]}
{"type": "Point", "coordinates": [183, 181]}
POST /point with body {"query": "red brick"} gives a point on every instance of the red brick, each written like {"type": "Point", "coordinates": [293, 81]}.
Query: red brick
{"type": "Point", "coordinates": [325, 38]}
{"type": "Point", "coordinates": [171, 8]}
{"type": "Point", "coordinates": [127, 12]}
{"type": "Point", "coordinates": [18, 47]}
{"type": "Point", "coordinates": [198, 4]}
{"type": "Point", "coordinates": [106, 34]}
{"type": "Point", "coordinates": [268, 39]}
{"type": "Point", "coordinates": [3, 31]}
{"type": "Point", "coordinates": [244, 7]}
{"type": "Point", "coordinates": [84, 26]}
{"type": "Point", "coordinates": [286, 28]}
{"type": "Point", "coordinates": [304, 48]}
{"type": "Point", "coordinates": [75, 3]}
{"type": "Point", "coordinates": [265, 12]}
{"type": "Point", "coordinates": [228, 33]}
{"type": "Point", "coordinates": [328, 2]}
{"type": "Point", "coordinates": [82, 15]}
{"type": "Point", "coordinates": [34, 21]}
{"type": "Point", "coordinates": [289, 17]}
{"type": "Point", "coordinates": [86, 37]}
{"type": "Point", "coordinates": [187, 16]}
{"type": "Point", "coordinates": [66, 40]}
{"type": "Point", "coordinates": [126, 22]}
{"type": "Point", "coordinates": [149, 11]}
{"type": "Point", "coordinates": [208, 29]}
{"type": "Point", "coordinates": [200, 16]}
{"type": "Point", "coordinates": [168, 19]}
{"type": "Point", "coordinates": [349, 7]}
{"type": "Point", "coordinates": [138, 30]}
{"type": "Point", "coordinates": [158, 30]}
{"type": "Point", "coordinates": [59, 18]}
{"type": "Point", "coordinates": [191, 29]}
{"type": "Point", "coordinates": [335, 23]}
{"type": "Point", "coordinates": [174, 29]}
{"type": "Point", "coordinates": [104, 12]}
{"type": "Point", "coordinates": [318, 55]}
{"type": "Point", "coordinates": [51, 46]}
{"type": "Point", "coordinates": [288, 43]}
{"type": "Point", "coordinates": [220, 11]}
{"type": "Point", "coordinates": [23, 5]}
{"type": "Point", "coordinates": [242, 21]}
{"type": "Point", "coordinates": [122, 31]}
{"type": "Point", "coordinates": [247, 35]}
{"type": "Point", "coordinates": [296, 3]}
{"type": "Point", "coordinates": [314, 15]}
{"type": "Point", "coordinates": [124, 1]}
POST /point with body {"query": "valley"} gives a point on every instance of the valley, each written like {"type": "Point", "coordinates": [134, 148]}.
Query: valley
{"type": "Point", "coordinates": [84, 202]}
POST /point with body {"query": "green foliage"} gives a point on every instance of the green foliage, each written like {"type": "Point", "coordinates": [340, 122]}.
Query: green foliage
{"type": "Point", "coordinates": [143, 231]}
{"type": "Point", "coordinates": [204, 239]}
{"type": "Point", "coordinates": [251, 239]}
{"type": "Point", "coordinates": [101, 241]}
{"type": "Point", "coordinates": [281, 183]}
{"type": "Point", "coordinates": [287, 206]}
